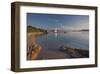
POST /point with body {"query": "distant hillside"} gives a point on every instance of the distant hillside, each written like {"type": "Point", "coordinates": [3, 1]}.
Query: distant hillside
{"type": "Point", "coordinates": [34, 29]}
{"type": "Point", "coordinates": [84, 30]}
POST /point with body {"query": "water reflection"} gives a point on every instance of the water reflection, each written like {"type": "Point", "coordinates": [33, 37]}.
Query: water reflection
{"type": "Point", "coordinates": [53, 41]}
{"type": "Point", "coordinates": [55, 35]}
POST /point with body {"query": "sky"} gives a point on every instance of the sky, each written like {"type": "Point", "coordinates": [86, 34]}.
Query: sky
{"type": "Point", "coordinates": [60, 21]}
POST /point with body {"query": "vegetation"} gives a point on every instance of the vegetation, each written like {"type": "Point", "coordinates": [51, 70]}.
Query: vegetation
{"type": "Point", "coordinates": [34, 29]}
{"type": "Point", "coordinates": [84, 30]}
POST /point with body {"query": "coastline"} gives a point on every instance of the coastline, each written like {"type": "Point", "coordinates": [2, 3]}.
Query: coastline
{"type": "Point", "coordinates": [35, 52]}
{"type": "Point", "coordinates": [33, 48]}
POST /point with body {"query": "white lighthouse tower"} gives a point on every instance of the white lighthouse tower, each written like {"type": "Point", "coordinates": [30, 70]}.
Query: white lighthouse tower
{"type": "Point", "coordinates": [55, 30]}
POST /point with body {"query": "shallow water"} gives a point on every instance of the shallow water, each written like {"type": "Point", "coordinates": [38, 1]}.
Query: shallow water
{"type": "Point", "coordinates": [51, 43]}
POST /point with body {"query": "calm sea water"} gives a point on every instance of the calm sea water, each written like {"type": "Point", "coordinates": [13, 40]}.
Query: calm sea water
{"type": "Point", "coordinates": [51, 42]}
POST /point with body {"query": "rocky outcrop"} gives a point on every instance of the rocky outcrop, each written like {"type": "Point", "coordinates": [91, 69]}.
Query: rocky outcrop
{"type": "Point", "coordinates": [74, 52]}
{"type": "Point", "coordinates": [33, 51]}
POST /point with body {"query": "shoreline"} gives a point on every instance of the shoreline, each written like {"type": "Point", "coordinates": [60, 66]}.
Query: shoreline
{"type": "Point", "coordinates": [33, 48]}
{"type": "Point", "coordinates": [35, 52]}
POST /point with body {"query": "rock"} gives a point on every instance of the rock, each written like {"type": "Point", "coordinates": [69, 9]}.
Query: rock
{"type": "Point", "coordinates": [33, 51]}
{"type": "Point", "coordinates": [74, 52]}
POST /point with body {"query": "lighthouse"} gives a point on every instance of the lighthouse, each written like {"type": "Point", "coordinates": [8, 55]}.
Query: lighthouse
{"type": "Point", "coordinates": [55, 30]}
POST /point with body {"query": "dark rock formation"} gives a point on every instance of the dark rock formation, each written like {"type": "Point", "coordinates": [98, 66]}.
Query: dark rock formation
{"type": "Point", "coordinates": [74, 52]}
